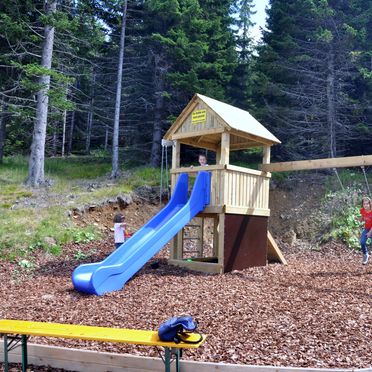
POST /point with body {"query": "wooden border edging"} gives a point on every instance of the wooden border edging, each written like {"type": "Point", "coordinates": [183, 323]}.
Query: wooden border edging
{"type": "Point", "coordinates": [87, 361]}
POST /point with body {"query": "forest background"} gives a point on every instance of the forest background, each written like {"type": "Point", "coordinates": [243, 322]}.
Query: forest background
{"type": "Point", "coordinates": [111, 76]}
{"type": "Point", "coordinates": [87, 90]}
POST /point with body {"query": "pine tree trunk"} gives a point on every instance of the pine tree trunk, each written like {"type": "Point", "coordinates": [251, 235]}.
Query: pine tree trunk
{"type": "Point", "coordinates": [115, 135]}
{"type": "Point", "coordinates": [2, 133]}
{"type": "Point", "coordinates": [331, 109]}
{"type": "Point", "coordinates": [36, 163]}
{"type": "Point", "coordinates": [158, 115]}
{"type": "Point", "coordinates": [88, 131]}
{"type": "Point", "coordinates": [90, 117]}
{"type": "Point", "coordinates": [63, 133]}
{"type": "Point", "coordinates": [71, 133]}
{"type": "Point", "coordinates": [106, 137]}
{"type": "Point", "coordinates": [64, 119]}
{"type": "Point", "coordinates": [54, 141]}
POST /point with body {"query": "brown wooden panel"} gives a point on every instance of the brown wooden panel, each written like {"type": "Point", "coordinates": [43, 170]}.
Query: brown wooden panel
{"type": "Point", "coordinates": [245, 241]}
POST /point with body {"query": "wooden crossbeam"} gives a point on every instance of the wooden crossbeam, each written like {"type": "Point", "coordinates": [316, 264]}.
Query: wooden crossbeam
{"type": "Point", "coordinates": [351, 161]}
{"type": "Point", "coordinates": [206, 132]}
{"type": "Point", "coordinates": [199, 143]}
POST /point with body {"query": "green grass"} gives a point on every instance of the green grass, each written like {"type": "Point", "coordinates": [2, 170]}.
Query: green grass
{"type": "Point", "coordinates": [343, 202]}
{"type": "Point", "coordinates": [25, 229]}
{"type": "Point", "coordinates": [77, 168]}
{"type": "Point", "coordinates": [348, 178]}
{"type": "Point", "coordinates": [343, 224]}
{"type": "Point", "coordinates": [147, 175]}
{"type": "Point", "coordinates": [13, 171]}
{"type": "Point", "coordinates": [340, 205]}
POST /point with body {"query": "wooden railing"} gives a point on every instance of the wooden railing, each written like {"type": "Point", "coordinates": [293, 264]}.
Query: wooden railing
{"type": "Point", "coordinates": [234, 189]}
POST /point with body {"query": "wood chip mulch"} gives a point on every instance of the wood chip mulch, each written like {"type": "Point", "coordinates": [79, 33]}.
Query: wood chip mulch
{"type": "Point", "coordinates": [315, 312]}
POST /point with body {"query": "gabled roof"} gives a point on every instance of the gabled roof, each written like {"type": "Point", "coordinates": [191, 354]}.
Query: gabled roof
{"type": "Point", "coordinates": [238, 119]}
{"type": "Point", "coordinates": [245, 131]}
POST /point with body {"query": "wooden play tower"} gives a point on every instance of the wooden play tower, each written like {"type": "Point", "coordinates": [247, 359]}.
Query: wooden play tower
{"type": "Point", "coordinates": [239, 203]}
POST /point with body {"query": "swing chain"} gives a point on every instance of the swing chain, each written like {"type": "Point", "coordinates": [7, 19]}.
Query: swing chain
{"type": "Point", "coordinates": [164, 157]}
{"type": "Point", "coordinates": [365, 177]}
{"type": "Point", "coordinates": [339, 179]}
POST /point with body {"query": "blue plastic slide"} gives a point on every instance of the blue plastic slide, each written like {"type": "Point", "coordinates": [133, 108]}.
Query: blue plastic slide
{"type": "Point", "coordinates": [113, 272]}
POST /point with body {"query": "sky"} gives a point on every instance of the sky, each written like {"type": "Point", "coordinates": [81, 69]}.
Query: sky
{"type": "Point", "coordinates": [259, 17]}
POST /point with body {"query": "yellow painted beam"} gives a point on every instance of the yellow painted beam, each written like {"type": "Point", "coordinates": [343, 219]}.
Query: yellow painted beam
{"type": "Point", "coordinates": [351, 161]}
{"type": "Point", "coordinates": [80, 332]}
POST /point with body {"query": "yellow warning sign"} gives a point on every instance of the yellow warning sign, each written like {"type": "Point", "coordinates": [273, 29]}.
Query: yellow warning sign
{"type": "Point", "coordinates": [199, 117]}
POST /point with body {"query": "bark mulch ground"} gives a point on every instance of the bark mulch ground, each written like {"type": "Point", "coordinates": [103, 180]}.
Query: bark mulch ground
{"type": "Point", "coordinates": [315, 312]}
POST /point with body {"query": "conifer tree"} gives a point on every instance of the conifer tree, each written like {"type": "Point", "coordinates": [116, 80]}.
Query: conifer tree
{"type": "Point", "coordinates": [192, 50]}
{"type": "Point", "coordinates": [307, 77]}
{"type": "Point", "coordinates": [174, 49]}
{"type": "Point", "coordinates": [241, 84]}
{"type": "Point", "coordinates": [36, 163]}
{"type": "Point", "coordinates": [115, 141]}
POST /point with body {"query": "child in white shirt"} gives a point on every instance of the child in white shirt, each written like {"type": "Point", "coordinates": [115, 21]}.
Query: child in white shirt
{"type": "Point", "coordinates": [119, 229]}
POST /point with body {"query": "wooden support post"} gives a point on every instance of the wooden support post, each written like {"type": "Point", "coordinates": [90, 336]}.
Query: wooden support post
{"type": "Point", "coordinates": [225, 148]}
{"type": "Point", "coordinates": [179, 252]}
{"type": "Point", "coordinates": [266, 161]}
{"type": "Point", "coordinates": [215, 237]}
{"type": "Point", "coordinates": [200, 235]}
{"type": "Point", "coordinates": [266, 155]}
{"type": "Point", "coordinates": [218, 156]}
{"type": "Point", "coordinates": [225, 158]}
{"type": "Point", "coordinates": [221, 239]}
{"type": "Point", "coordinates": [176, 148]}
{"type": "Point", "coordinates": [273, 251]}
{"type": "Point", "coordinates": [176, 154]}
{"type": "Point", "coordinates": [173, 249]}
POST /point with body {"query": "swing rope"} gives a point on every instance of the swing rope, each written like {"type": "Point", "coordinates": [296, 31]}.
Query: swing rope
{"type": "Point", "coordinates": [365, 177]}
{"type": "Point", "coordinates": [339, 179]}
{"type": "Point", "coordinates": [164, 159]}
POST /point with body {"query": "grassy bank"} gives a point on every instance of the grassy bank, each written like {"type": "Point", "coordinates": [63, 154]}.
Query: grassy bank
{"type": "Point", "coordinates": [38, 219]}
